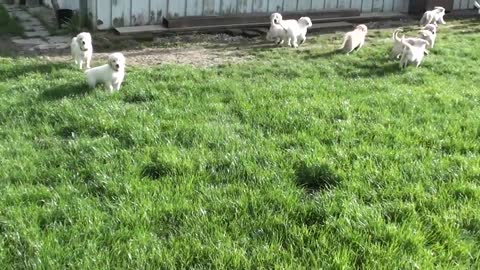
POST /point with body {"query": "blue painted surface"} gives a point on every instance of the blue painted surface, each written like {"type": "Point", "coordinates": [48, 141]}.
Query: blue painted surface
{"type": "Point", "coordinates": [139, 12]}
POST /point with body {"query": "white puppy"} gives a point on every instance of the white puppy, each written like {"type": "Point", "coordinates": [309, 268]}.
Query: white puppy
{"type": "Point", "coordinates": [276, 32]}
{"type": "Point", "coordinates": [82, 49]}
{"type": "Point", "coordinates": [298, 31]}
{"type": "Point", "coordinates": [477, 6]}
{"type": "Point", "coordinates": [434, 16]}
{"type": "Point", "coordinates": [354, 39]}
{"type": "Point", "coordinates": [111, 74]}
{"type": "Point", "coordinates": [413, 53]}
{"type": "Point", "coordinates": [398, 46]}
{"type": "Point", "coordinates": [431, 27]}
{"type": "Point", "coordinates": [428, 36]}
{"type": "Point", "coordinates": [293, 30]}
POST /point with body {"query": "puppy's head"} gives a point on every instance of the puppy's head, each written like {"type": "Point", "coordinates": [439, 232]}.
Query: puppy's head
{"type": "Point", "coordinates": [362, 27]}
{"type": "Point", "coordinates": [305, 21]}
{"type": "Point", "coordinates": [84, 41]}
{"type": "Point", "coordinates": [276, 18]}
{"type": "Point", "coordinates": [430, 27]}
{"type": "Point", "coordinates": [116, 61]}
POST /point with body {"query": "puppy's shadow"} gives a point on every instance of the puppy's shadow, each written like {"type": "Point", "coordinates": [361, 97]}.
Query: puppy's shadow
{"type": "Point", "coordinates": [66, 91]}
{"type": "Point", "coordinates": [378, 69]}
{"type": "Point", "coordinates": [310, 56]}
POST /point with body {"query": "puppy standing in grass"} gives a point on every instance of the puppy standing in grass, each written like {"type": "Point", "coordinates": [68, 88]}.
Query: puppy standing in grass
{"type": "Point", "coordinates": [82, 49]}
{"type": "Point", "coordinates": [398, 44]}
{"type": "Point", "coordinates": [276, 32]}
{"type": "Point", "coordinates": [290, 30]}
{"type": "Point", "coordinates": [111, 74]}
{"type": "Point", "coordinates": [354, 39]}
{"type": "Point", "coordinates": [413, 53]}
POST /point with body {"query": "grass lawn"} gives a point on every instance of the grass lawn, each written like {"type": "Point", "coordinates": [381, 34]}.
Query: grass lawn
{"type": "Point", "coordinates": [297, 159]}
{"type": "Point", "coordinates": [9, 25]}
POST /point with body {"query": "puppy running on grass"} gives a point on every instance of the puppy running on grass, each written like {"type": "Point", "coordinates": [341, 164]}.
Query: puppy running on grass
{"type": "Point", "coordinates": [293, 30]}
{"type": "Point", "coordinates": [111, 74]}
{"type": "Point", "coordinates": [434, 16]}
{"type": "Point", "coordinates": [354, 39]}
{"type": "Point", "coordinates": [413, 53]}
{"type": "Point", "coordinates": [398, 45]}
{"type": "Point", "coordinates": [82, 49]}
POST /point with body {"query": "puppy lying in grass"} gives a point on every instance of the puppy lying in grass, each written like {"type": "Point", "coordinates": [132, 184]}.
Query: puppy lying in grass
{"type": "Point", "coordinates": [82, 49]}
{"type": "Point", "coordinates": [111, 74]}
{"type": "Point", "coordinates": [413, 53]}
{"type": "Point", "coordinates": [434, 16]}
{"type": "Point", "coordinates": [354, 39]}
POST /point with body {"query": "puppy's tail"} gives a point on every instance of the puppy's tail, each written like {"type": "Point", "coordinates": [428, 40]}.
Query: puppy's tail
{"type": "Point", "coordinates": [281, 25]}
{"type": "Point", "coordinates": [405, 43]}
{"type": "Point", "coordinates": [476, 5]}
{"type": "Point", "coordinates": [395, 34]}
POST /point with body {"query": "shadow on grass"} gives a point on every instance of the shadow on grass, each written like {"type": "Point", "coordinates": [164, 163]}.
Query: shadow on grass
{"type": "Point", "coordinates": [66, 90]}
{"type": "Point", "coordinates": [18, 70]}
{"type": "Point", "coordinates": [314, 178]}
{"type": "Point", "coordinates": [369, 69]}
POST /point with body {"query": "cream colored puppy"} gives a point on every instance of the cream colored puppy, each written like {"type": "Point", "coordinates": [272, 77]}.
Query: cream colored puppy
{"type": "Point", "coordinates": [428, 36]}
{"type": "Point", "coordinates": [431, 27]}
{"type": "Point", "coordinates": [398, 46]}
{"type": "Point", "coordinates": [298, 31]}
{"type": "Point", "coordinates": [354, 39]}
{"type": "Point", "coordinates": [276, 32]}
{"type": "Point", "coordinates": [413, 53]}
{"type": "Point", "coordinates": [111, 74]}
{"type": "Point", "coordinates": [434, 16]}
{"type": "Point", "coordinates": [82, 49]}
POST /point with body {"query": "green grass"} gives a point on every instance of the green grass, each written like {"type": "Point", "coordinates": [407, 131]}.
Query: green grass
{"type": "Point", "coordinates": [9, 25]}
{"type": "Point", "coordinates": [297, 159]}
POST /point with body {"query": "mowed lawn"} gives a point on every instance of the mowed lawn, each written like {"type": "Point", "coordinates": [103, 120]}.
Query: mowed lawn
{"type": "Point", "coordinates": [296, 159]}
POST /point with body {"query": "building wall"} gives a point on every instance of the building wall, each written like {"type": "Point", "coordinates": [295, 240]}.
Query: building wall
{"type": "Point", "coordinates": [69, 4]}
{"type": "Point", "coordinates": [118, 13]}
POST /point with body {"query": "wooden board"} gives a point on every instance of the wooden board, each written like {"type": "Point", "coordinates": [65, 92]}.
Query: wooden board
{"type": "Point", "coordinates": [254, 18]}
{"type": "Point", "coordinates": [337, 21]}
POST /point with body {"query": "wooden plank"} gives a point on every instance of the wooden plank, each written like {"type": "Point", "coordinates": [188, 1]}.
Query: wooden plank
{"type": "Point", "coordinates": [377, 5]}
{"type": "Point", "coordinates": [120, 13]}
{"type": "Point", "coordinates": [228, 7]}
{"type": "Point", "coordinates": [215, 28]}
{"type": "Point", "coordinates": [367, 5]}
{"type": "Point", "coordinates": [330, 4]}
{"type": "Point", "coordinates": [104, 18]}
{"type": "Point", "coordinates": [275, 6]}
{"type": "Point", "coordinates": [358, 4]}
{"type": "Point", "coordinates": [456, 4]}
{"type": "Point", "coordinates": [209, 7]}
{"type": "Point", "coordinates": [330, 27]}
{"type": "Point", "coordinates": [290, 5]}
{"type": "Point", "coordinates": [194, 7]}
{"type": "Point", "coordinates": [158, 9]}
{"type": "Point", "coordinates": [176, 8]}
{"type": "Point", "coordinates": [140, 10]}
{"type": "Point", "coordinates": [388, 5]}
{"type": "Point", "coordinates": [244, 6]}
{"type": "Point", "coordinates": [318, 4]}
{"type": "Point", "coordinates": [343, 3]}
{"type": "Point", "coordinates": [304, 5]}
{"type": "Point", "coordinates": [259, 6]}
{"type": "Point", "coordinates": [464, 4]}
{"type": "Point", "coordinates": [254, 18]}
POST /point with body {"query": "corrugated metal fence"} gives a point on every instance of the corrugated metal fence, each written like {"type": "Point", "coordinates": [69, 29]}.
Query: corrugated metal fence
{"type": "Point", "coordinates": [118, 13]}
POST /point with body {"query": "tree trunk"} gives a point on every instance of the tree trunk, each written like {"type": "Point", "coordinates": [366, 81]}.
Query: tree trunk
{"type": "Point", "coordinates": [55, 5]}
